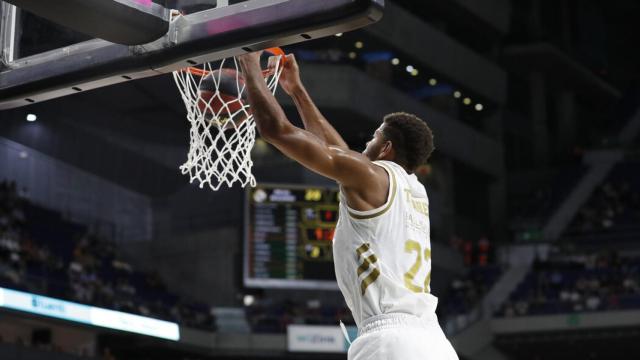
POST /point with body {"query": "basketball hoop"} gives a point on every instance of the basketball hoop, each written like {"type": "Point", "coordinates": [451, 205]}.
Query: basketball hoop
{"type": "Point", "coordinates": [223, 129]}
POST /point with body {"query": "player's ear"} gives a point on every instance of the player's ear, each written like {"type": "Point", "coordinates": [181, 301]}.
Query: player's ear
{"type": "Point", "coordinates": [386, 150]}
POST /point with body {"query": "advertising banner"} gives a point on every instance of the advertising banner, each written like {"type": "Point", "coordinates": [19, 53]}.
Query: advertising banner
{"type": "Point", "coordinates": [70, 311]}
{"type": "Point", "coordinates": [324, 339]}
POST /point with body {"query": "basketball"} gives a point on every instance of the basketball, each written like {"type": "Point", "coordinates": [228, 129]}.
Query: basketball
{"type": "Point", "coordinates": [227, 102]}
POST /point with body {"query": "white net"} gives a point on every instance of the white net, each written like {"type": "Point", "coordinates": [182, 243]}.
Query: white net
{"type": "Point", "coordinates": [223, 129]}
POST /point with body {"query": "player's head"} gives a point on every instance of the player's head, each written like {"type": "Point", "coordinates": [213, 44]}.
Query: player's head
{"type": "Point", "coordinates": [402, 138]}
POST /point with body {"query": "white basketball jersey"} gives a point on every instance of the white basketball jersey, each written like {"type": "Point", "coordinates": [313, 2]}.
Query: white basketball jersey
{"type": "Point", "coordinates": [382, 257]}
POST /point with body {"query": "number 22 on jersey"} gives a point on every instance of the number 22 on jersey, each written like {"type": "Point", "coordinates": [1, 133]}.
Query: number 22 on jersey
{"type": "Point", "coordinates": [422, 257]}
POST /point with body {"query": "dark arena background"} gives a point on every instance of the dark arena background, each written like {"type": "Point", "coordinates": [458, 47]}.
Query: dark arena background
{"type": "Point", "coordinates": [108, 252]}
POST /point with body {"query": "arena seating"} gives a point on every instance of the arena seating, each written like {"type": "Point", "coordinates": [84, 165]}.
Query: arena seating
{"type": "Point", "coordinates": [465, 293]}
{"type": "Point", "coordinates": [568, 283]}
{"type": "Point", "coordinates": [612, 213]}
{"type": "Point", "coordinates": [42, 253]}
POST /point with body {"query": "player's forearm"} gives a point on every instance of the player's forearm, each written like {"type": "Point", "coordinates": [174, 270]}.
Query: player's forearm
{"type": "Point", "coordinates": [269, 117]}
{"type": "Point", "coordinates": [313, 119]}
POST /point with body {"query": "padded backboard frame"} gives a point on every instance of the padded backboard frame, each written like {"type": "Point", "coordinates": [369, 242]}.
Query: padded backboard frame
{"type": "Point", "coordinates": [192, 39]}
{"type": "Point", "coordinates": [133, 22]}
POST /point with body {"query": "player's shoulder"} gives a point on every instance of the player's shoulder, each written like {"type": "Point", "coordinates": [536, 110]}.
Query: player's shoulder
{"type": "Point", "coordinates": [358, 172]}
{"type": "Point", "coordinates": [342, 153]}
{"type": "Point", "coordinates": [388, 169]}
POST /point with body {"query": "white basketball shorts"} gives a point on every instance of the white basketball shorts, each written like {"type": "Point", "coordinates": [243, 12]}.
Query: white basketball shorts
{"type": "Point", "coordinates": [401, 337]}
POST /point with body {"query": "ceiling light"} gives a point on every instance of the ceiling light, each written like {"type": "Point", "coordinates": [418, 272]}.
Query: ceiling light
{"type": "Point", "coordinates": [248, 300]}
{"type": "Point", "coordinates": [410, 68]}
{"type": "Point", "coordinates": [395, 61]}
{"type": "Point", "coordinates": [433, 82]}
{"type": "Point", "coordinates": [414, 72]}
{"type": "Point", "coordinates": [359, 45]}
{"type": "Point", "coordinates": [466, 101]}
{"type": "Point", "coordinates": [352, 55]}
{"type": "Point", "coordinates": [32, 117]}
{"type": "Point", "coordinates": [457, 94]}
{"type": "Point", "coordinates": [338, 34]}
{"type": "Point", "coordinates": [479, 107]}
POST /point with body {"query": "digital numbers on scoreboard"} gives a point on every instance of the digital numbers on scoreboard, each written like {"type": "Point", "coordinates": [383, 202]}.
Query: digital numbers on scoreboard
{"type": "Point", "coordinates": [288, 236]}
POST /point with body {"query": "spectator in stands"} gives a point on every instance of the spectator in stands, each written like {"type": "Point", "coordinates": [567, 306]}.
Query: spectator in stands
{"type": "Point", "coordinates": [465, 293]}
{"type": "Point", "coordinates": [93, 273]}
{"type": "Point", "coordinates": [578, 282]}
{"type": "Point", "coordinates": [612, 204]}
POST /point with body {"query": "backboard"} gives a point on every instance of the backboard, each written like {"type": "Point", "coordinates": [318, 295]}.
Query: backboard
{"type": "Point", "coordinates": [42, 60]}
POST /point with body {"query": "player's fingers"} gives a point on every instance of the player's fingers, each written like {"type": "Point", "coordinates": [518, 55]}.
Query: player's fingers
{"type": "Point", "coordinates": [291, 60]}
{"type": "Point", "coordinates": [291, 63]}
{"type": "Point", "coordinates": [273, 61]}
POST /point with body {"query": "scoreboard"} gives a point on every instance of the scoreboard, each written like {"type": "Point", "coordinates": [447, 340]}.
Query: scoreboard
{"type": "Point", "coordinates": [288, 236]}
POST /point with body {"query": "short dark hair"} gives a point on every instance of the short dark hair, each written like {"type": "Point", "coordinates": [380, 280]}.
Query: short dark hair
{"type": "Point", "coordinates": [412, 139]}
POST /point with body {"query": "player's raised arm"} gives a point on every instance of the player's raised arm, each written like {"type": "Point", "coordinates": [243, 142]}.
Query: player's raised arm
{"type": "Point", "coordinates": [343, 165]}
{"type": "Point", "coordinates": [312, 118]}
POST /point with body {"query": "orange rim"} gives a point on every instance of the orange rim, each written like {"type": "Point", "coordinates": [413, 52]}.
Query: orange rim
{"type": "Point", "coordinates": [276, 51]}
{"type": "Point", "coordinates": [197, 72]}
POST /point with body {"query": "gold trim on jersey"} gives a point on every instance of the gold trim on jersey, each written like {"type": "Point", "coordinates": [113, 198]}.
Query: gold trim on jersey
{"type": "Point", "coordinates": [394, 188]}
{"type": "Point", "coordinates": [365, 265]}
{"type": "Point", "coordinates": [369, 280]}
{"type": "Point", "coordinates": [367, 262]}
{"type": "Point", "coordinates": [363, 249]}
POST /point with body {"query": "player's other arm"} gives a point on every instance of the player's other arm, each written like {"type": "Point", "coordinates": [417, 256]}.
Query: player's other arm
{"type": "Point", "coordinates": [349, 168]}
{"type": "Point", "coordinates": [312, 118]}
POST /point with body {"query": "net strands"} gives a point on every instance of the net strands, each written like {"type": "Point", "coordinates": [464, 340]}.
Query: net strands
{"type": "Point", "coordinates": [223, 129]}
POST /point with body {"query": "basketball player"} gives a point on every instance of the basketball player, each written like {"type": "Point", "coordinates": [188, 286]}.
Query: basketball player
{"type": "Point", "coordinates": [381, 248]}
